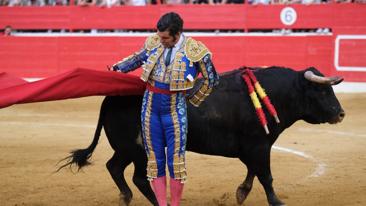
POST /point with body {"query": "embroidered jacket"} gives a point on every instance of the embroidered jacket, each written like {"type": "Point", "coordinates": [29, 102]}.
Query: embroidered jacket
{"type": "Point", "coordinates": [193, 57]}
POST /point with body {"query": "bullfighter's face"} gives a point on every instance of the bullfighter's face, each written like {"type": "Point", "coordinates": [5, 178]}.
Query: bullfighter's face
{"type": "Point", "coordinates": [168, 40]}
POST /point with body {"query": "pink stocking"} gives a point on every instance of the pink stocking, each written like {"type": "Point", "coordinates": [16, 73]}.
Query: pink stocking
{"type": "Point", "coordinates": [176, 190]}
{"type": "Point", "coordinates": [159, 186]}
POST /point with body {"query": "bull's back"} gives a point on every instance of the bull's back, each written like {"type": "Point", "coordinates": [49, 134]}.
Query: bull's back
{"type": "Point", "coordinates": [221, 124]}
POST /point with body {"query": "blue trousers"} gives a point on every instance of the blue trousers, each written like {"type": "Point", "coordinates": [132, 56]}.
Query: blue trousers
{"type": "Point", "coordinates": [164, 130]}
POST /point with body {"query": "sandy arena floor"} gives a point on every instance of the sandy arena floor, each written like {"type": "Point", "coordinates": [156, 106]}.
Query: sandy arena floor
{"type": "Point", "coordinates": [317, 165]}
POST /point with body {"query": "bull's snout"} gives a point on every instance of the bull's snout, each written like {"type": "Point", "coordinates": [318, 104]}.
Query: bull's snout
{"type": "Point", "coordinates": [341, 115]}
{"type": "Point", "coordinates": [338, 118]}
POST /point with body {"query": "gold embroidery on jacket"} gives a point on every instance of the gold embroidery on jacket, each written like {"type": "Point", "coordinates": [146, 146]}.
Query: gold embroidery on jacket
{"type": "Point", "coordinates": [195, 50]}
{"type": "Point", "coordinates": [204, 90]}
{"type": "Point", "coordinates": [192, 49]}
{"type": "Point", "coordinates": [164, 75]}
{"type": "Point", "coordinates": [178, 70]}
{"type": "Point", "coordinates": [152, 42]}
{"type": "Point", "coordinates": [150, 63]}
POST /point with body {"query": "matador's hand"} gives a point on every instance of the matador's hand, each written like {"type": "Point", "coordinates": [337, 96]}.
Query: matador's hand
{"type": "Point", "coordinates": [113, 68]}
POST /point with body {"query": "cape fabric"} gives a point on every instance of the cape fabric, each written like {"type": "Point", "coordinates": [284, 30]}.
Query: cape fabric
{"type": "Point", "coordinates": [73, 84]}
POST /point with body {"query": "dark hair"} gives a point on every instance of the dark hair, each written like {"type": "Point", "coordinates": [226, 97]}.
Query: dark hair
{"type": "Point", "coordinates": [172, 22]}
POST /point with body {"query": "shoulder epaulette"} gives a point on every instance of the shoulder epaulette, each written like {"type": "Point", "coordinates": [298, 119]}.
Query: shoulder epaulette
{"type": "Point", "coordinates": [152, 42]}
{"type": "Point", "coordinates": [195, 50]}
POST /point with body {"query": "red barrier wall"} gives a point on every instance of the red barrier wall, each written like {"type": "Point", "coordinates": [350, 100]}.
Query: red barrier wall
{"type": "Point", "coordinates": [44, 56]}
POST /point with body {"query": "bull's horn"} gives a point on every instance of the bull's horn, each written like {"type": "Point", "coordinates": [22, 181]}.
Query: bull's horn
{"type": "Point", "coordinates": [309, 75]}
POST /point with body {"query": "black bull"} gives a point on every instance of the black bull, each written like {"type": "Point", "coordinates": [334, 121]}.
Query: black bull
{"type": "Point", "coordinates": [226, 124]}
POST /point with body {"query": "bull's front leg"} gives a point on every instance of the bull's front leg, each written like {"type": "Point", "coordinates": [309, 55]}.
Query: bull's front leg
{"type": "Point", "coordinates": [266, 181]}
{"type": "Point", "coordinates": [263, 172]}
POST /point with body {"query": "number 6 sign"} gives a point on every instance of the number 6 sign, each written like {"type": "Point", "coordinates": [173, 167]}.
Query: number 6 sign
{"type": "Point", "coordinates": [288, 16]}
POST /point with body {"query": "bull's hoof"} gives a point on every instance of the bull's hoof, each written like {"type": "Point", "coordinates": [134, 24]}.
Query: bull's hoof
{"type": "Point", "coordinates": [277, 203]}
{"type": "Point", "coordinates": [124, 200]}
{"type": "Point", "coordinates": [241, 194]}
{"type": "Point", "coordinates": [281, 204]}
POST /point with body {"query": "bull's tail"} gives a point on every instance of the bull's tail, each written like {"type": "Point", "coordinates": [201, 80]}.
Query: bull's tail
{"type": "Point", "coordinates": [80, 157]}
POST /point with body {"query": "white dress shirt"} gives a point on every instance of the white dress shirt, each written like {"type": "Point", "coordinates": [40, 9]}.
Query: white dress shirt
{"type": "Point", "coordinates": [176, 47]}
